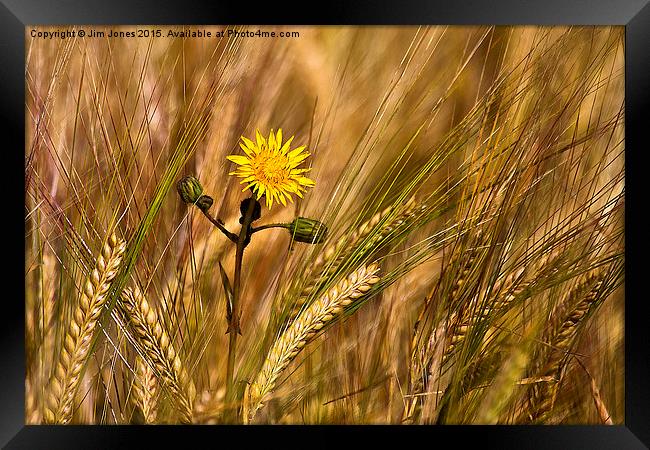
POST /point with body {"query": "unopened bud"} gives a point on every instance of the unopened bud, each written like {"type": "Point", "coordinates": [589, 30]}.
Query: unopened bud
{"type": "Point", "coordinates": [307, 230]}
{"type": "Point", "coordinates": [204, 202]}
{"type": "Point", "coordinates": [189, 189]}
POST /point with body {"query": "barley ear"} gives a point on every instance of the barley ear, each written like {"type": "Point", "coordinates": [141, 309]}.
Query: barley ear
{"type": "Point", "coordinates": [77, 340]}
{"type": "Point", "coordinates": [312, 319]}
{"type": "Point", "coordinates": [541, 397]}
{"type": "Point", "coordinates": [380, 225]}
{"type": "Point", "coordinates": [158, 350]}
{"type": "Point", "coordinates": [146, 391]}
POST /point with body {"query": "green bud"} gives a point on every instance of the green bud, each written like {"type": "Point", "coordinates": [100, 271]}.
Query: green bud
{"type": "Point", "coordinates": [189, 189]}
{"type": "Point", "coordinates": [204, 202]}
{"type": "Point", "coordinates": [307, 230]}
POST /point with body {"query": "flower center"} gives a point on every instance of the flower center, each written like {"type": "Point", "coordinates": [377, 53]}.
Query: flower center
{"type": "Point", "coordinates": [271, 167]}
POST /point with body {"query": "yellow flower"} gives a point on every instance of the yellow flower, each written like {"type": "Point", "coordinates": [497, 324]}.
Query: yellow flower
{"type": "Point", "coordinates": [270, 168]}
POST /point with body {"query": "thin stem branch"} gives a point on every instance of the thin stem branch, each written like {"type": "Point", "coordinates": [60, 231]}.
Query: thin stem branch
{"type": "Point", "coordinates": [217, 222]}
{"type": "Point", "coordinates": [270, 225]}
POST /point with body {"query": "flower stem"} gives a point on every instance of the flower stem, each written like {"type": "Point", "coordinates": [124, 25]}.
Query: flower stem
{"type": "Point", "coordinates": [232, 236]}
{"type": "Point", "coordinates": [234, 326]}
{"type": "Point", "coordinates": [270, 225]}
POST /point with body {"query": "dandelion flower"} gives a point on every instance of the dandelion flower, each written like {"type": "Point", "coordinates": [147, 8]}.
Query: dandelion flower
{"type": "Point", "coordinates": [271, 168]}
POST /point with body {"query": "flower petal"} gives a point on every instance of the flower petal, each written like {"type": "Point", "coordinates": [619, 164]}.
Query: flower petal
{"type": "Point", "coordinates": [248, 151]}
{"type": "Point", "coordinates": [285, 147]}
{"type": "Point", "coordinates": [305, 181]}
{"type": "Point", "coordinates": [282, 199]}
{"type": "Point", "coordinates": [244, 171]}
{"type": "Point", "coordinates": [296, 151]}
{"type": "Point", "coordinates": [250, 144]}
{"type": "Point", "coordinates": [261, 142]}
{"type": "Point", "coordinates": [247, 179]}
{"type": "Point", "coordinates": [239, 159]}
{"type": "Point", "coordinates": [251, 185]}
{"type": "Point", "coordinates": [278, 138]}
{"type": "Point", "coordinates": [291, 186]}
{"type": "Point", "coordinates": [295, 162]}
{"type": "Point", "coordinates": [299, 171]}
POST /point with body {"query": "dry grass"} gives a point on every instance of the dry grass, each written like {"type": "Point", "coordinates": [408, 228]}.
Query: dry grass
{"type": "Point", "coordinates": [482, 168]}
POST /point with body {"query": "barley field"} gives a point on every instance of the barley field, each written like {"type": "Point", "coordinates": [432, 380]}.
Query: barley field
{"type": "Point", "coordinates": [352, 225]}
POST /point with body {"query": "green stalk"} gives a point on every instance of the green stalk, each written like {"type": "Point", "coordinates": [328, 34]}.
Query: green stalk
{"type": "Point", "coordinates": [270, 225]}
{"type": "Point", "coordinates": [234, 326]}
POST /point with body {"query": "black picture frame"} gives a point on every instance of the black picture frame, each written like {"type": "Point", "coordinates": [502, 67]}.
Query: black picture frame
{"type": "Point", "coordinates": [633, 14]}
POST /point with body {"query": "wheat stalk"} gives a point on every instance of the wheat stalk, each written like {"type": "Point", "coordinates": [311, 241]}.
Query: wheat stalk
{"type": "Point", "coordinates": [145, 390]}
{"type": "Point", "coordinates": [159, 351]}
{"type": "Point", "coordinates": [78, 337]}
{"type": "Point", "coordinates": [307, 324]}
